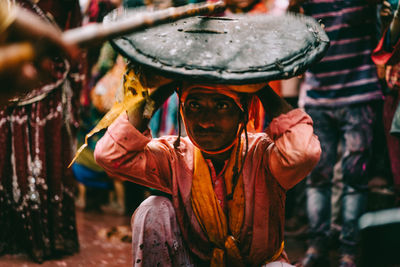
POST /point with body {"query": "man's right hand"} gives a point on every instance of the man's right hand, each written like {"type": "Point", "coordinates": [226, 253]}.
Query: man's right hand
{"type": "Point", "coordinates": [157, 97]}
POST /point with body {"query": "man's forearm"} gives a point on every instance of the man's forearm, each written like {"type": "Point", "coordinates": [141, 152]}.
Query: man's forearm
{"type": "Point", "coordinates": [273, 104]}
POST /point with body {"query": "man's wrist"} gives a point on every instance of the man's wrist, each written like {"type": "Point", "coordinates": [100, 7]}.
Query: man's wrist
{"type": "Point", "coordinates": [273, 104]}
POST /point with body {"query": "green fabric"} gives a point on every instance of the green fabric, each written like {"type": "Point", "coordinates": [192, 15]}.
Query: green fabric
{"type": "Point", "coordinates": [107, 58]}
{"type": "Point", "coordinates": [89, 119]}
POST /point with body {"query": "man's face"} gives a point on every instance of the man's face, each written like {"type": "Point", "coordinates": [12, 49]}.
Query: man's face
{"type": "Point", "coordinates": [211, 120]}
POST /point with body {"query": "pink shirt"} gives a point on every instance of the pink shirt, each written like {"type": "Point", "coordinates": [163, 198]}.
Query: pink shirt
{"type": "Point", "coordinates": [218, 182]}
{"type": "Point", "coordinates": [275, 162]}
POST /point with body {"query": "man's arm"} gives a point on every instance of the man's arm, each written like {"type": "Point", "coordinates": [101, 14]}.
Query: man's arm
{"type": "Point", "coordinates": [296, 150]}
{"type": "Point", "coordinates": [126, 150]}
{"type": "Point", "coordinates": [273, 104]}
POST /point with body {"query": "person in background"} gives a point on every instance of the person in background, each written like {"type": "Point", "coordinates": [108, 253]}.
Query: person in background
{"type": "Point", "coordinates": [104, 76]}
{"type": "Point", "coordinates": [93, 182]}
{"type": "Point", "coordinates": [21, 36]}
{"type": "Point", "coordinates": [387, 54]}
{"type": "Point", "coordinates": [341, 93]}
{"type": "Point", "coordinates": [37, 211]}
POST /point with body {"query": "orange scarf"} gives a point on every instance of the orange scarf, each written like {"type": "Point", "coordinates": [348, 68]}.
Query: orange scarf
{"type": "Point", "coordinates": [209, 213]}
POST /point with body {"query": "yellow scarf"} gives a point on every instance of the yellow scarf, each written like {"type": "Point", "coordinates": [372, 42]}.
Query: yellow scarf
{"type": "Point", "coordinates": [210, 214]}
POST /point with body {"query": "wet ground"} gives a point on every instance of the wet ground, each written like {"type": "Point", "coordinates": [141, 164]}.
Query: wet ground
{"type": "Point", "coordinates": [97, 249]}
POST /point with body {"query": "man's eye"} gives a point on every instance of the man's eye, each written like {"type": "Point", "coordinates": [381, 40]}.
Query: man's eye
{"type": "Point", "coordinates": [193, 105]}
{"type": "Point", "coordinates": [222, 105]}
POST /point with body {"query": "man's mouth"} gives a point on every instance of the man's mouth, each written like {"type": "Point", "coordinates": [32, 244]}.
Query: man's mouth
{"type": "Point", "coordinates": [207, 134]}
{"type": "Point", "coordinates": [202, 134]}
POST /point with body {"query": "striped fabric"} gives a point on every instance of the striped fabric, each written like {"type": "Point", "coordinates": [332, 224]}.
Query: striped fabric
{"type": "Point", "coordinates": [346, 75]}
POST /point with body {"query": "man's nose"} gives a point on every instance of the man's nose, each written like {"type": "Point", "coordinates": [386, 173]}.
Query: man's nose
{"type": "Point", "coordinates": [206, 120]}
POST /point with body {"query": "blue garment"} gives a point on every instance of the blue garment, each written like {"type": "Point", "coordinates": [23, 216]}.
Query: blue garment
{"type": "Point", "coordinates": [346, 75]}
{"type": "Point", "coordinates": [91, 178]}
{"type": "Point", "coordinates": [319, 212]}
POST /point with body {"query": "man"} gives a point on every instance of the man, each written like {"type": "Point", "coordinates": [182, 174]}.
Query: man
{"type": "Point", "coordinates": [226, 186]}
{"type": "Point", "coordinates": [213, 121]}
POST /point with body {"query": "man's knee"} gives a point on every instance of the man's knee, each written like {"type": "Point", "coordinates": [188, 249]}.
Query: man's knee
{"type": "Point", "coordinates": [156, 202]}
{"type": "Point", "coordinates": [278, 264]}
{"type": "Point", "coordinates": [153, 208]}
{"type": "Point", "coordinates": [356, 169]}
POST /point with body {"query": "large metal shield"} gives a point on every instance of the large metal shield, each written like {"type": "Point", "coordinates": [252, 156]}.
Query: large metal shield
{"type": "Point", "coordinates": [240, 49]}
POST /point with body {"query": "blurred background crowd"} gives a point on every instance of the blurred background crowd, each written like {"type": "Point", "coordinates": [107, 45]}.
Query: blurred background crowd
{"type": "Point", "coordinates": [349, 204]}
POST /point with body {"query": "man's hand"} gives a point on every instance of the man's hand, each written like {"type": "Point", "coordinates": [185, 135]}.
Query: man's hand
{"type": "Point", "coordinates": [159, 96]}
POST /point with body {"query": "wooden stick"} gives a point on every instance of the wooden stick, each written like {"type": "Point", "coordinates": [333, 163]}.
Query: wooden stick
{"type": "Point", "coordinates": [92, 33]}
{"type": "Point", "coordinates": [17, 54]}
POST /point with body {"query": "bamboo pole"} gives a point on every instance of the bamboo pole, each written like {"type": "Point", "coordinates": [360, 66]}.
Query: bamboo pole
{"type": "Point", "coordinates": [17, 54]}
{"type": "Point", "coordinates": [99, 32]}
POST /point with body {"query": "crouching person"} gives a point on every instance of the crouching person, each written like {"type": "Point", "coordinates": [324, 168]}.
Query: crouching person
{"type": "Point", "coordinates": [226, 185]}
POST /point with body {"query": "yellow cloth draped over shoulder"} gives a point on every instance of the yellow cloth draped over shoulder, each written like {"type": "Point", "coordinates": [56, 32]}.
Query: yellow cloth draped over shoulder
{"type": "Point", "coordinates": [223, 232]}
{"type": "Point", "coordinates": [221, 229]}
{"type": "Point", "coordinates": [210, 214]}
{"type": "Point", "coordinates": [212, 218]}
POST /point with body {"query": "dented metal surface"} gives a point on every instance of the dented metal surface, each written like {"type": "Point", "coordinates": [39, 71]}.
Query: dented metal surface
{"type": "Point", "coordinates": [237, 50]}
